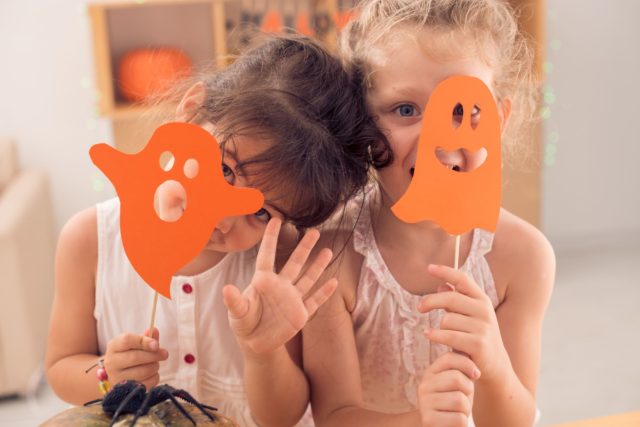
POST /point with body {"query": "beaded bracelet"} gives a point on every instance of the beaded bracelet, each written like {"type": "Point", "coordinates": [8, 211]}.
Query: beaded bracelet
{"type": "Point", "coordinates": [101, 374]}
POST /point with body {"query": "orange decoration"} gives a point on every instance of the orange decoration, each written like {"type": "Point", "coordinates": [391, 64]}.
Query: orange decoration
{"type": "Point", "coordinates": [272, 22]}
{"type": "Point", "coordinates": [157, 249]}
{"type": "Point", "coordinates": [144, 72]}
{"type": "Point", "coordinates": [303, 26]}
{"type": "Point", "coordinates": [457, 201]}
{"type": "Point", "coordinates": [342, 18]}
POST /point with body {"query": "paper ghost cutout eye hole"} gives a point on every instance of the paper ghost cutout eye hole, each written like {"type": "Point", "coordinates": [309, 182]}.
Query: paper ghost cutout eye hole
{"type": "Point", "coordinates": [170, 201]}
{"type": "Point", "coordinates": [167, 160]}
{"type": "Point", "coordinates": [458, 116]}
{"type": "Point", "coordinates": [191, 168]}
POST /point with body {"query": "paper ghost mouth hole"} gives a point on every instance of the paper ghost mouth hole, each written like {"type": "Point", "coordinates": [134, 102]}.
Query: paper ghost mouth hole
{"type": "Point", "coordinates": [462, 159]}
{"type": "Point", "coordinates": [170, 201]}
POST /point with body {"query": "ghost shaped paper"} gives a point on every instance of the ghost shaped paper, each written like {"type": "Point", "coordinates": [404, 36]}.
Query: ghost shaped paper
{"type": "Point", "coordinates": [155, 248]}
{"type": "Point", "coordinates": [457, 201]}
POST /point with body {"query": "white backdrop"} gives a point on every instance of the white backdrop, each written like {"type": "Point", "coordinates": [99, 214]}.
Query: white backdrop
{"type": "Point", "coordinates": [592, 191]}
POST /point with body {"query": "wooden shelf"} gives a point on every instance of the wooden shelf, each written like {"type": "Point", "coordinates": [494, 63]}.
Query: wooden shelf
{"type": "Point", "coordinates": [200, 28]}
{"type": "Point", "coordinates": [193, 26]}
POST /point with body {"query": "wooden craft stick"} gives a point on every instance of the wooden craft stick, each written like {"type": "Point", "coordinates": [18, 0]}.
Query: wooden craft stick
{"type": "Point", "coordinates": [153, 313]}
{"type": "Point", "coordinates": [456, 257]}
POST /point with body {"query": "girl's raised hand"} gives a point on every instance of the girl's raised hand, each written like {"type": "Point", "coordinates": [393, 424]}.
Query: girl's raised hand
{"type": "Point", "coordinates": [275, 306]}
{"type": "Point", "coordinates": [470, 325]}
{"type": "Point", "coordinates": [445, 393]}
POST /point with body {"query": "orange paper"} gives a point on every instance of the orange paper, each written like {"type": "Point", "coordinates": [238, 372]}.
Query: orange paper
{"type": "Point", "coordinates": [457, 201]}
{"type": "Point", "coordinates": [342, 18]}
{"type": "Point", "coordinates": [272, 22]}
{"type": "Point", "coordinates": [157, 249]}
{"type": "Point", "coordinates": [303, 26]}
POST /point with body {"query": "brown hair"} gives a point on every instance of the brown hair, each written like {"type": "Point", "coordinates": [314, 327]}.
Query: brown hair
{"type": "Point", "coordinates": [289, 90]}
{"type": "Point", "coordinates": [508, 52]}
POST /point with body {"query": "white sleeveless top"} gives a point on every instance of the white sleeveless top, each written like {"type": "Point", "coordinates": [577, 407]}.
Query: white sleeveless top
{"type": "Point", "coordinates": [388, 328]}
{"type": "Point", "coordinates": [204, 357]}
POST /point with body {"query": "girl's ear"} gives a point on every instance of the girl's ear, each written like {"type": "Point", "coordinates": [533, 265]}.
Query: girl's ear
{"type": "Point", "coordinates": [190, 102]}
{"type": "Point", "coordinates": [504, 111]}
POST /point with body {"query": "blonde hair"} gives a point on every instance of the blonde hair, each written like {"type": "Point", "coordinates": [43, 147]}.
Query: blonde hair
{"type": "Point", "coordinates": [490, 24]}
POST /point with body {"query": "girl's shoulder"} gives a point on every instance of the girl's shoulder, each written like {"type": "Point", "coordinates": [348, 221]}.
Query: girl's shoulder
{"type": "Point", "coordinates": [521, 257]}
{"type": "Point", "coordinates": [78, 243]}
{"type": "Point", "coordinates": [80, 231]}
{"type": "Point", "coordinates": [346, 263]}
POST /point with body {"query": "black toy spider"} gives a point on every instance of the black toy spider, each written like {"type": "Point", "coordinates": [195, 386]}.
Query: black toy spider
{"type": "Point", "coordinates": [131, 397]}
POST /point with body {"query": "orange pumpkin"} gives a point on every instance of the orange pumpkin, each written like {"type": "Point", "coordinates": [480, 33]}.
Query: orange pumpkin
{"type": "Point", "coordinates": [144, 72]}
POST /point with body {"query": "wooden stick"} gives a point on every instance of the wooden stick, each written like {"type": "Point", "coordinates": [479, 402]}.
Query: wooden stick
{"type": "Point", "coordinates": [456, 258]}
{"type": "Point", "coordinates": [153, 313]}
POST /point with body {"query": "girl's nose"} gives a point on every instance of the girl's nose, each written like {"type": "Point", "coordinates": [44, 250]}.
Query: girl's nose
{"type": "Point", "coordinates": [226, 224]}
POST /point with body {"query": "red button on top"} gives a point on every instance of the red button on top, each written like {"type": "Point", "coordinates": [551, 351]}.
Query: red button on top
{"type": "Point", "coordinates": [189, 358]}
{"type": "Point", "coordinates": [187, 288]}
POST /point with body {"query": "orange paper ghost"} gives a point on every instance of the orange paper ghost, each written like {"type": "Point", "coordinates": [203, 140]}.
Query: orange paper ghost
{"type": "Point", "coordinates": [457, 201]}
{"type": "Point", "coordinates": [157, 249]}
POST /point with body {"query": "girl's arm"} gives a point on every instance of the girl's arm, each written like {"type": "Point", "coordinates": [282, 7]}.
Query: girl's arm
{"type": "Point", "coordinates": [72, 343]}
{"type": "Point", "coordinates": [266, 318]}
{"type": "Point", "coordinates": [277, 389]}
{"type": "Point", "coordinates": [331, 363]}
{"type": "Point", "coordinates": [503, 343]}
{"type": "Point", "coordinates": [331, 359]}
{"type": "Point", "coordinates": [509, 398]}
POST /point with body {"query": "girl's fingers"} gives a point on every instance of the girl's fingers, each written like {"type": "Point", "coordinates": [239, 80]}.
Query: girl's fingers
{"type": "Point", "coordinates": [267, 252]}
{"type": "Point", "coordinates": [320, 296]}
{"type": "Point", "coordinates": [458, 322]}
{"type": "Point", "coordinates": [451, 401]}
{"type": "Point", "coordinates": [141, 372]}
{"type": "Point", "coordinates": [130, 341]}
{"type": "Point", "coordinates": [237, 305]}
{"type": "Point", "coordinates": [155, 334]}
{"type": "Point", "coordinates": [132, 358]}
{"type": "Point", "coordinates": [298, 258]}
{"type": "Point", "coordinates": [459, 341]}
{"type": "Point", "coordinates": [444, 418]}
{"type": "Point", "coordinates": [450, 301]}
{"type": "Point", "coordinates": [457, 278]}
{"type": "Point", "coordinates": [451, 380]}
{"type": "Point", "coordinates": [451, 360]}
{"type": "Point", "coordinates": [315, 270]}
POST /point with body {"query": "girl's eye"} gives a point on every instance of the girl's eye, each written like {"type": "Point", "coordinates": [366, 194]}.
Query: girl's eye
{"type": "Point", "coordinates": [227, 173]}
{"type": "Point", "coordinates": [263, 215]}
{"type": "Point", "coordinates": [406, 110]}
{"type": "Point", "coordinates": [476, 110]}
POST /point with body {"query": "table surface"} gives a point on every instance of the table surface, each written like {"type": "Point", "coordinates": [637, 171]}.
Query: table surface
{"type": "Point", "coordinates": [631, 419]}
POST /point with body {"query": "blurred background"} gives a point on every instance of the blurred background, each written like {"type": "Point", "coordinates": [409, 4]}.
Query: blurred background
{"type": "Point", "coordinates": [58, 97]}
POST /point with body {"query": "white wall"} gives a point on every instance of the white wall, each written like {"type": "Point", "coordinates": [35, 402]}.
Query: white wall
{"type": "Point", "coordinates": [47, 97]}
{"type": "Point", "coordinates": [592, 192]}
